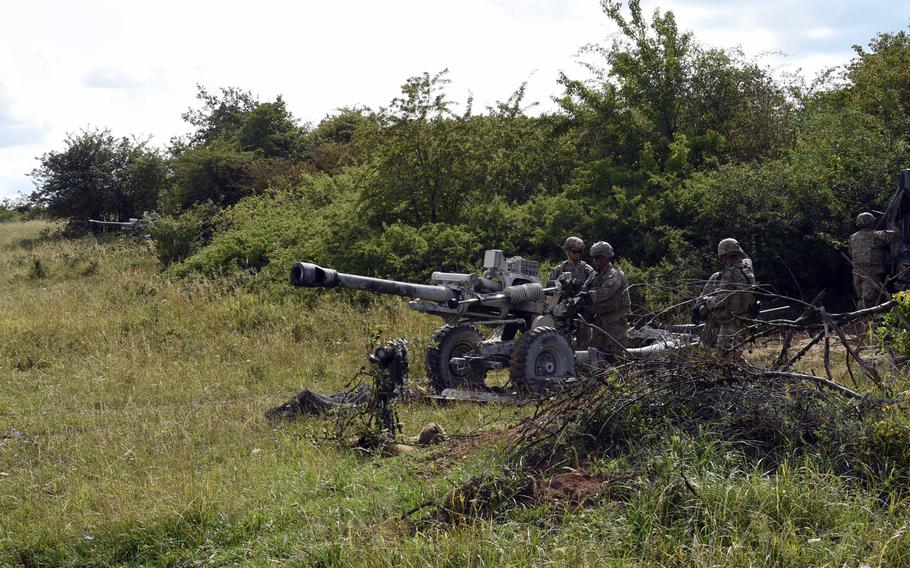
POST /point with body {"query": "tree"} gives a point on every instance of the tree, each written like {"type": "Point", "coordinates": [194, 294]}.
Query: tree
{"type": "Point", "coordinates": [237, 117]}
{"type": "Point", "coordinates": [432, 165]}
{"type": "Point", "coordinates": [416, 146]}
{"type": "Point", "coordinates": [652, 68]}
{"type": "Point", "coordinates": [241, 146]}
{"type": "Point", "coordinates": [218, 172]}
{"type": "Point", "coordinates": [336, 136]}
{"type": "Point", "coordinates": [220, 116]}
{"type": "Point", "coordinates": [658, 83]}
{"type": "Point", "coordinates": [270, 130]}
{"type": "Point", "coordinates": [100, 176]}
{"type": "Point", "coordinates": [879, 81]}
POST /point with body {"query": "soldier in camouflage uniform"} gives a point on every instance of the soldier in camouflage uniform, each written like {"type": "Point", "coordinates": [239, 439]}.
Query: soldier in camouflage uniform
{"type": "Point", "coordinates": [726, 297]}
{"type": "Point", "coordinates": [866, 253]}
{"type": "Point", "coordinates": [606, 301]}
{"type": "Point", "coordinates": [580, 269]}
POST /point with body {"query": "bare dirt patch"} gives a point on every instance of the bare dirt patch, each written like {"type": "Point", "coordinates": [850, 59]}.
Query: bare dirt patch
{"type": "Point", "coordinates": [459, 447]}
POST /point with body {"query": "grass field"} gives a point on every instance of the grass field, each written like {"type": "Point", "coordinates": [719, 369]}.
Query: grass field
{"type": "Point", "coordinates": [132, 434]}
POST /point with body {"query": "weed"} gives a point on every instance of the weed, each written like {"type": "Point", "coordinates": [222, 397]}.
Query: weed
{"type": "Point", "coordinates": [29, 361]}
{"type": "Point", "coordinates": [38, 270]}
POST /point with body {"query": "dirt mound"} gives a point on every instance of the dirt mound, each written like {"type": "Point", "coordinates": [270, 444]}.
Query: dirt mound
{"type": "Point", "coordinates": [460, 446]}
{"type": "Point", "coordinates": [575, 488]}
{"type": "Point", "coordinates": [489, 496]}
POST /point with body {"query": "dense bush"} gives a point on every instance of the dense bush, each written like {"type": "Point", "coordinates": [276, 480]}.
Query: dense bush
{"type": "Point", "coordinates": [180, 236]}
{"type": "Point", "coordinates": [893, 329]}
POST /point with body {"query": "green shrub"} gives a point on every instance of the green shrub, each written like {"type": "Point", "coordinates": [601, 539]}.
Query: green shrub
{"type": "Point", "coordinates": [266, 233]}
{"type": "Point", "coordinates": [893, 330]}
{"type": "Point", "coordinates": [181, 236]}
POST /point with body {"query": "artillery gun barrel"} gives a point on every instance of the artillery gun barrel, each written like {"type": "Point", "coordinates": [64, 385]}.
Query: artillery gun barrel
{"type": "Point", "coordinates": [772, 310]}
{"type": "Point", "coordinates": [131, 225]}
{"type": "Point", "coordinates": [307, 275]}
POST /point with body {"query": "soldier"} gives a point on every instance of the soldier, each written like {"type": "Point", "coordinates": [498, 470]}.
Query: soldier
{"type": "Point", "coordinates": [726, 297]}
{"type": "Point", "coordinates": [868, 260]}
{"type": "Point", "coordinates": [605, 297]}
{"type": "Point", "coordinates": [580, 269]}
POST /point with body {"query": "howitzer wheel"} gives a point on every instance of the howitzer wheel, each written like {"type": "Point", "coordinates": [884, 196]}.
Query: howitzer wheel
{"type": "Point", "coordinates": [541, 355]}
{"type": "Point", "coordinates": [447, 342]}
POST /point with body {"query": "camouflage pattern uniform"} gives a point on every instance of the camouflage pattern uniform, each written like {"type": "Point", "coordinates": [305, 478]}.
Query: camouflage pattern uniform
{"type": "Point", "coordinates": [610, 307]}
{"type": "Point", "coordinates": [866, 253]}
{"type": "Point", "coordinates": [580, 270]}
{"type": "Point", "coordinates": [726, 298]}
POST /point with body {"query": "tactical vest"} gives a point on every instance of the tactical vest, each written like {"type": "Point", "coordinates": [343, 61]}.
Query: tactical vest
{"type": "Point", "coordinates": [580, 271]}
{"type": "Point", "coordinates": [619, 305]}
{"type": "Point", "coordinates": [865, 250]}
{"type": "Point", "coordinates": [740, 278]}
{"type": "Point", "coordinates": [730, 291]}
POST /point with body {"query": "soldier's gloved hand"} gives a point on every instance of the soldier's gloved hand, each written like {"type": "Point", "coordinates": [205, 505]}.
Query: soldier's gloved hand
{"type": "Point", "coordinates": [583, 299]}
{"type": "Point", "coordinates": [755, 309]}
{"type": "Point", "coordinates": [696, 315]}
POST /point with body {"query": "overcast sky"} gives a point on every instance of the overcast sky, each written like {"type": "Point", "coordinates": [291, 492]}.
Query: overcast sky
{"type": "Point", "coordinates": [66, 66]}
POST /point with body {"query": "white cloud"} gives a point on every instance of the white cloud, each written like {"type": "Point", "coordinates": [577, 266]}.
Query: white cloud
{"type": "Point", "coordinates": [109, 78]}
{"type": "Point", "coordinates": [820, 33]}
{"type": "Point", "coordinates": [15, 130]}
{"type": "Point", "coordinates": [15, 163]}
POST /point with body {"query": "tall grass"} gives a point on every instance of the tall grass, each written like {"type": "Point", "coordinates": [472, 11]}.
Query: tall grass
{"type": "Point", "coordinates": [132, 433]}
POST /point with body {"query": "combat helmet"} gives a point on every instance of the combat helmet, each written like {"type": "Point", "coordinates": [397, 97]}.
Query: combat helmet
{"type": "Point", "coordinates": [864, 219]}
{"type": "Point", "coordinates": [573, 243]}
{"type": "Point", "coordinates": [602, 248]}
{"type": "Point", "coordinates": [728, 246]}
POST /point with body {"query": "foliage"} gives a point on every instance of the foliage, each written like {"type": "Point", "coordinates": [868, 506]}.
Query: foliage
{"type": "Point", "coordinates": [335, 139]}
{"type": "Point", "coordinates": [410, 253]}
{"type": "Point", "coordinates": [320, 221]}
{"type": "Point", "coordinates": [180, 236]}
{"type": "Point", "coordinates": [18, 210]}
{"type": "Point", "coordinates": [99, 176]}
{"type": "Point", "coordinates": [219, 172]}
{"type": "Point", "coordinates": [893, 330]}
{"type": "Point", "coordinates": [272, 131]}
{"type": "Point", "coordinates": [281, 226]}
{"type": "Point", "coordinates": [416, 151]}
{"type": "Point", "coordinates": [220, 116]}
{"type": "Point", "coordinates": [879, 81]}
{"type": "Point", "coordinates": [237, 117]}
{"type": "Point", "coordinates": [241, 146]}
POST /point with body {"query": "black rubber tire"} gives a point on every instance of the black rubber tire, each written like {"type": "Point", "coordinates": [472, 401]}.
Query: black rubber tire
{"type": "Point", "coordinates": [452, 341]}
{"type": "Point", "coordinates": [542, 353]}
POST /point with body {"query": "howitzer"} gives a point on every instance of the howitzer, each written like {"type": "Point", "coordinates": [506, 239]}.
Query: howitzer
{"type": "Point", "coordinates": [509, 288]}
{"type": "Point", "coordinates": [528, 335]}
{"type": "Point", "coordinates": [138, 227]}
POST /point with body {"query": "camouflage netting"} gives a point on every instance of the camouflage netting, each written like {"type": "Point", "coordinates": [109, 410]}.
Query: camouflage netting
{"type": "Point", "coordinates": [309, 403]}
